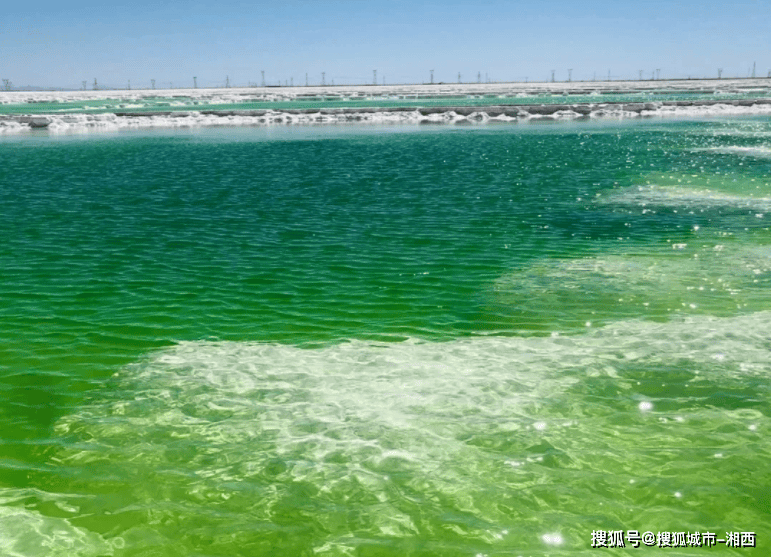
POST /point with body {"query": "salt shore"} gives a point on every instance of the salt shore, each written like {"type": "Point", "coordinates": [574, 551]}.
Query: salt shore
{"type": "Point", "coordinates": [444, 103]}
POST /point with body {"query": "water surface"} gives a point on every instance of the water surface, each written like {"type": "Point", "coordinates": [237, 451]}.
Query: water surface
{"type": "Point", "coordinates": [384, 340]}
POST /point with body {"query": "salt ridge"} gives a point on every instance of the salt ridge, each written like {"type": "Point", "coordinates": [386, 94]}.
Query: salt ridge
{"type": "Point", "coordinates": [120, 120]}
{"type": "Point", "coordinates": [119, 116]}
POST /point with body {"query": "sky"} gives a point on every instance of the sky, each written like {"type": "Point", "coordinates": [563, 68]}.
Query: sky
{"type": "Point", "coordinates": [62, 44]}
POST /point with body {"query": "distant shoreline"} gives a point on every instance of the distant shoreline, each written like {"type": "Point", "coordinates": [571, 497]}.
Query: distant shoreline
{"type": "Point", "coordinates": [581, 84]}
{"type": "Point", "coordinates": [444, 103]}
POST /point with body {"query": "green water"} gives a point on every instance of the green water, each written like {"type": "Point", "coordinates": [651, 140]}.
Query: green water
{"type": "Point", "coordinates": [184, 102]}
{"type": "Point", "coordinates": [487, 340]}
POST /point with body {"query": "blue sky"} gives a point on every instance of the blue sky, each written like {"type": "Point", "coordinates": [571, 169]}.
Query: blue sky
{"type": "Point", "coordinates": [62, 44]}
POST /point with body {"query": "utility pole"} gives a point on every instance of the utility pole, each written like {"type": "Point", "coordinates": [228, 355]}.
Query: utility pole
{"type": "Point", "coordinates": [263, 77]}
{"type": "Point", "coordinates": [432, 77]}
{"type": "Point", "coordinates": [323, 78]}
{"type": "Point", "coordinates": [152, 82]}
{"type": "Point", "coordinates": [658, 74]}
{"type": "Point", "coordinates": [479, 77]}
{"type": "Point", "coordinates": [291, 82]}
{"type": "Point", "coordinates": [374, 77]}
{"type": "Point", "coordinates": [720, 73]}
{"type": "Point", "coordinates": [195, 82]}
{"type": "Point", "coordinates": [753, 70]}
{"type": "Point", "coordinates": [608, 75]}
{"type": "Point", "coordinates": [640, 79]}
{"type": "Point", "coordinates": [95, 85]}
{"type": "Point", "coordinates": [129, 85]}
{"type": "Point", "coordinates": [458, 77]}
{"type": "Point", "coordinates": [85, 84]}
{"type": "Point", "coordinates": [227, 82]}
{"type": "Point", "coordinates": [552, 76]}
{"type": "Point", "coordinates": [570, 74]}
{"type": "Point", "coordinates": [306, 79]}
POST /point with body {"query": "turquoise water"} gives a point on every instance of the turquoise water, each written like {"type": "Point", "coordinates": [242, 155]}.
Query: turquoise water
{"type": "Point", "coordinates": [478, 340]}
{"type": "Point", "coordinates": [184, 102]}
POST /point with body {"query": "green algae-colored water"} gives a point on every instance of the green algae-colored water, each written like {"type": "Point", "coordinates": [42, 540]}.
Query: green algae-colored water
{"type": "Point", "coordinates": [391, 341]}
{"type": "Point", "coordinates": [185, 102]}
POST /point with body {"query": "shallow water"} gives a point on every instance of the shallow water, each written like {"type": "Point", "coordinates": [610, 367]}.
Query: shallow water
{"type": "Point", "coordinates": [486, 340]}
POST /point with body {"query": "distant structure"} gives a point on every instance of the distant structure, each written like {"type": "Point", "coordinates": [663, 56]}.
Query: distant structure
{"type": "Point", "coordinates": [570, 74]}
{"type": "Point", "coordinates": [195, 82]}
{"type": "Point", "coordinates": [608, 75]}
{"type": "Point", "coordinates": [432, 77]}
{"type": "Point", "coordinates": [152, 83]}
{"type": "Point", "coordinates": [658, 74]}
{"type": "Point", "coordinates": [306, 79]}
{"type": "Point", "coordinates": [720, 73]}
{"type": "Point", "coordinates": [479, 77]}
{"type": "Point", "coordinates": [227, 81]}
{"type": "Point", "coordinates": [753, 70]}
{"type": "Point", "coordinates": [129, 85]}
{"type": "Point", "coordinates": [7, 84]}
{"type": "Point", "coordinates": [374, 77]}
{"type": "Point", "coordinates": [640, 78]}
{"type": "Point", "coordinates": [96, 87]}
{"type": "Point", "coordinates": [552, 76]}
{"type": "Point", "coordinates": [291, 82]}
{"type": "Point", "coordinates": [84, 84]}
{"type": "Point", "coordinates": [323, 78]}
{"type": "Point", "coordinates": [458, 77]}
